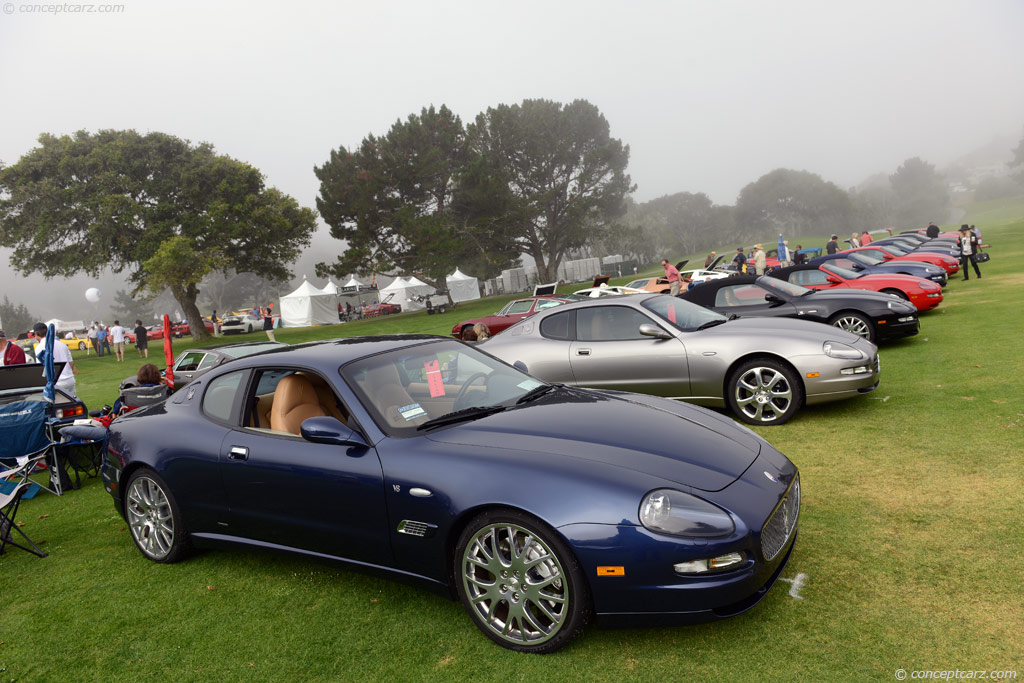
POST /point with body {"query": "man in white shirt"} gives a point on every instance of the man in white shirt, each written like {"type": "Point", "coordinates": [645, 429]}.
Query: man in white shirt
{"type": "Point", "coordinates": [117, 337]}
{"type": "Point", "coordinates": [61, 354]}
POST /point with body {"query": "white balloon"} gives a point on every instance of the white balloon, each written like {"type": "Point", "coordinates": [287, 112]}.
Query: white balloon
{"type": "Point", "coordinates": [92, 294]}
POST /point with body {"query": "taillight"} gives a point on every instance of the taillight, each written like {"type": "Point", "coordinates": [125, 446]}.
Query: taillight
{"type": "Point", "coordinates": [69, 411]}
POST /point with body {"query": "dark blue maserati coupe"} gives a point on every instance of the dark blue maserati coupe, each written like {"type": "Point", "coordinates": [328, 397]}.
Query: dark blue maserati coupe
{"type": "Point", "coordinates": [537, 505]}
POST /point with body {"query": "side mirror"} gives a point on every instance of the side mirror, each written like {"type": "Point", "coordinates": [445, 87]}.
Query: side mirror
{"type": "Point", "coordinates": [772, 299]}
{"type": "Point", "coordinates": [649, 330]}
{"type": "Point", "coordinates": [331, 430]}
{"type": "Point", "coordinates": [832, 280]}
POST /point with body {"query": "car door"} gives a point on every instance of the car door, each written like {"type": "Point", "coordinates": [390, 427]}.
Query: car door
{"type": "Point", "coordinates": [287, 491]}
{"type": "Point", "coordinates": [610, 353]}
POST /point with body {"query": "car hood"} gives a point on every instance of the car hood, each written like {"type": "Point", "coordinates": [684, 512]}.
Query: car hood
{"type": "Point", "coordinates": [779, 327]}
{"type": "Point", "coordinates": [674, 441]}
{"type": "Point", "coordinates": [894, 278]}
{"type": "Point", "coordinates": [856, 294]}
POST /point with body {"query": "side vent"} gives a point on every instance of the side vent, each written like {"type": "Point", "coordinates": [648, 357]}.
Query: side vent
{"type": "Point", "coordinates": [411, 527]}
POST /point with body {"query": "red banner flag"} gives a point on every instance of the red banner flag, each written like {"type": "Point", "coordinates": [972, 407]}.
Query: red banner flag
{"type": "Point", "coordinates": [168, 352]}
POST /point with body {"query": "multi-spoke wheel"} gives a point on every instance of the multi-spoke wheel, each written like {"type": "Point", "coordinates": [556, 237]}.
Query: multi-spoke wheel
{"type": "Point", "coordinates": [153, 517]}
{"type": "Point", "coordinates": [520, 583]}
{"type": "Point", "coordinates": [764, 392]}
{"type": "Point", "coordinates": [854, 322]}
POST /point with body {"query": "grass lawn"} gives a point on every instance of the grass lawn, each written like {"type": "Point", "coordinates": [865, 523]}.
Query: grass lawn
{"type": "Point", "coordinates": [910, 547]}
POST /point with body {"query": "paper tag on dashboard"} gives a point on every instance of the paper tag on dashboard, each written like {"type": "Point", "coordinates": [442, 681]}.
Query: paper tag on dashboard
{"type": "Point", "coordinates": [671, 313]}
{"type": "Point", "coordinates": [434, 381]}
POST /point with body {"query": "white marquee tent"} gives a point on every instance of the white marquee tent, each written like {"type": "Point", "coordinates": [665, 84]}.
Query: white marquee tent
{"type": "Point", "coordinates": [463, 287]}
{"type": "Point", "coordinates": [330, 287]}
{"type": "Point", "coordinates": [404, 293]}
{"type": "Point", "coordinates": [307, 306]}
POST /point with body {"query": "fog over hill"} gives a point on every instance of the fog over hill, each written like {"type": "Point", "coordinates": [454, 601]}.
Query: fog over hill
{"type": "Point", "coordinates": [709, 96]}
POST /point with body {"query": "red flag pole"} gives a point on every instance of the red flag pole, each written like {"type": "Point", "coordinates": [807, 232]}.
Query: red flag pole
{"type": "Point", "coordinates": [168, 352]}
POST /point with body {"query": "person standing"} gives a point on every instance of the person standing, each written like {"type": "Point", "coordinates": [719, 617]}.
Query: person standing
{"type": "Point", "coordinates": [760, 259]}
{"type": "Point", "coordinates": [11, 354]}
{"type": "Point", "coordinates": [968, 244]}
{"type": "Point", "coordinates": [672, 275]}
{"type": "Point", "coordinates": [117, 337]}
{"type": "Point", "coordinates": [740, 260]}
{"type": "Point", "coordinates": [92, 339]}
{"type": "Point", "coordinates": [61, 354]}
{"type": "Point", "coordinates": [865, 239]}
{"type": "Point", "coordinates": [855, 240]}
{"type": "Point", "coordinates": [101, 341]}
{"type": "Point", "coordinates": [932, 231]}
{"type": "Point", "coordinates": [833, 245]}
{"type": "Point", "coordinates": [216, 323]}
{"type": "Point", "coordinates": [268, 322]}
{"type": "Point", "coordinates": [709, 260]}
{"type": "Point", "coordinates": [141, 339]}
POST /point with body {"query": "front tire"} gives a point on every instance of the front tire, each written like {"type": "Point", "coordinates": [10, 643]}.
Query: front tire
{"type": "Point", "coordinates": [250, 329]}
{"type": "Point", "coordinates": [896, 292]}
{"type": "Point", "coordinates": [153, 518]}
{"type": "Point", "coordinates": [855, 323]}
{"type": "Point", "coordinates": [764, 392]}
{"type": "Point", "coordinates": [81, 346]}
{"type": "Point", "coordinates": [520, 583]}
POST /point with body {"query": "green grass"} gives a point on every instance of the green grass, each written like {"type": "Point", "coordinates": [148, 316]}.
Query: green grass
{"type": "Point", "coordinates": [910, 540]}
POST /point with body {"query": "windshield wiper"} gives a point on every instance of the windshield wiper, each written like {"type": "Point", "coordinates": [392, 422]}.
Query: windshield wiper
{"type": "Point", "coordinates": [712, 323]}
{"type": "Point", "coordinates": [463, 415]}
{"type": "Point", "coordinates": [535, 393]}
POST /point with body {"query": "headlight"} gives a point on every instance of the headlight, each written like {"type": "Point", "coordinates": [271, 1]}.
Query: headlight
{"type": "Point", "coordinates": [666, 511]}
{"type": "Point", "coordinates": [929, 285]}
{"type": "Point", "coordinates": [835, 349]}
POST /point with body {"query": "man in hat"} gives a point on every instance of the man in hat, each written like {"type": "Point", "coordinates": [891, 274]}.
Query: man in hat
{"type": "Point", "coordinates": [61, 354]}
{"type": "Point", "coordinates": [740, 260]}
{"type": "Point", "coordinates": [11, 354]}
{"type": "Point", "coordinates": [760, 260]}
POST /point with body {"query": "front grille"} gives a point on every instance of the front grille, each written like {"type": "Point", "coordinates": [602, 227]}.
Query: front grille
{"type": "Point", "coordinates": [780, 525]}
{"type": "Point", "coordinates": [878, 364]}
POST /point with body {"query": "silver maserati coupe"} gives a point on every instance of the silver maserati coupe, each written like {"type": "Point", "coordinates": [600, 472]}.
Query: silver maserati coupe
{"type": "Point", "coordinates": [763, 369]}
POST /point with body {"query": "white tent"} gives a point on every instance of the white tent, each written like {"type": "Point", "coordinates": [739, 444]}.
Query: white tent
{"type": "Point", "coordinates": [330, 287]}
{"type": "Point", "coordinates": [463, 287]}
{"type": "Point", "coordinates": [307, 306]}
{"type": "Point", "coordinates": [353, 282]}
{"type": "Point", "coordinates": [404, 293]}
{"type": "Point", "coordinates": [65, 325]}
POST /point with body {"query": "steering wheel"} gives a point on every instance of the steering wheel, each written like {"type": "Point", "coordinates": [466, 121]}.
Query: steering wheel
{"type": "Point", "coordinates": [459, 397]}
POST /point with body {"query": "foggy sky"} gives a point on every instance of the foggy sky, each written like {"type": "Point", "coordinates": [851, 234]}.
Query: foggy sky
{"type": "Point", "coordinates": [708, 95]}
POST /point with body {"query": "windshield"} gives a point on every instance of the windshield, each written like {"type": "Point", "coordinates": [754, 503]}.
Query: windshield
{"type": "Point", "coordinates": [639, 284]}
{"type": "Point", "coordinates": [895, 251]}
{"type": "Point", "coordinates": [844, 273]}
{"type": "Point", "coordinates": [681, 314]}
{"type": "Point", "coordinates": [787, 288]}
{"type": "Point", "coordinates": [404, 389]}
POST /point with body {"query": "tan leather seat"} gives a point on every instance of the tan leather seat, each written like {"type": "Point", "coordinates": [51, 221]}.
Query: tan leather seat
{"type": "Point", "coordinates": [385, 389]}
{"type": "Point", "coordinates": [295, 400]}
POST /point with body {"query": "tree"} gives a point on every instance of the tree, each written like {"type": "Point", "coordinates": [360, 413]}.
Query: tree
{"type": "Point", "coordinates": [392, 201]}
{"type": "Point", "coordinates": [921, 193]}
{"type": "Point", "coordinates": [560, 177]}
{"type": "Point", "coordinates": [793, 203]}
{"type": "Point", "coordinates": [875, 206]}
{"type": "Point", "coordinates": [117, 199]}
{"type": "Point", "coordinates": [15, 319]}
{"type": "Point", "coordinates": [127, 308]}
{"type": "Point", "coordinates": [227, 291]}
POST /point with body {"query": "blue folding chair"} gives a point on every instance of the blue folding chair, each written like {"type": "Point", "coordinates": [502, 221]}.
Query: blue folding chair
{"type": "Point", "coordinates": [26, 442]}
{"type": "Point", "coordinates": [10, 501]}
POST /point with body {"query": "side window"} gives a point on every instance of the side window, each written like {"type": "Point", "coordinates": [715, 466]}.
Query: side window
{"type": "Point", "coordinates": [190, 361]}
{"type": "Point", "coordinates": [208, 361]}
{"type": "Point", "coordinates": [808, 277]}
{"type": "Point", "coordinates": [521, 306]}
{"type": "Point", "coordinates": [556, 326]}
{"type": "Point", "coordinates": [221, 394]}
{"type": "Point", "coordinates": [739, 295]}
{"type": "Point", "coordinates": [281, 398]}
{"type": "Point", "coordinates": [609, 323]}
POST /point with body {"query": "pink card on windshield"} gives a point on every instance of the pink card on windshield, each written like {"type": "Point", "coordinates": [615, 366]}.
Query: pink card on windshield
{"type": "Point", "coordinates": [434, 382]}
{"type": "Point", "coordinates": [671, 314]}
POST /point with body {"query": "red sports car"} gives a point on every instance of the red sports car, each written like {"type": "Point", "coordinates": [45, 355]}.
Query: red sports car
{"type": "Point", "coordinates": [516, 310]}
{"type": "Point", "coordinates": [923, 294]}
{"type": "Point", "coordinates": [890, 253]}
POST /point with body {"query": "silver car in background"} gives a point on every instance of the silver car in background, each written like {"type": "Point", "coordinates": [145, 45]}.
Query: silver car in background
{"type": "Point", "coordinates": [762, 369]}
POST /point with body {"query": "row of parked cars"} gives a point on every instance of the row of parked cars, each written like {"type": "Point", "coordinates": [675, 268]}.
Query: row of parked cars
{"type": "Point", "coordinates": [557, 487]}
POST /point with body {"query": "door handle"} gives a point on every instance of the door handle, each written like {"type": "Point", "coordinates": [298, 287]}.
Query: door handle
{"type": "Point", "coordinates": [582, 352]}
{"type": "Point", "coordinates": [238, 453]}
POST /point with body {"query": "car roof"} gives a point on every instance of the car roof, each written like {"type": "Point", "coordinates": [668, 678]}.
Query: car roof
{"type": "Point", "coordinates": [338, 352]}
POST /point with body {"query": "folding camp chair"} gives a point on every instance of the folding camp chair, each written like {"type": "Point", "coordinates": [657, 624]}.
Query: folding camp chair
{"type": "Point", "coordinates": [10, 500]}
{"type": "Point", "coordinates": [27, 441]}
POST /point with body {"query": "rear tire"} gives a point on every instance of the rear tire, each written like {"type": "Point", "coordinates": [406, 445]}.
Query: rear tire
{"type": "Point", "coordinates": [154, 518]}
{"type": "Point", "coordinates": [81, 346]}
{"type": "Point", "coordinates": [764, 392]}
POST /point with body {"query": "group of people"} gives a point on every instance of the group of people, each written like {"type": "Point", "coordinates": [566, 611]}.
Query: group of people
{"type": "Point", "coordinates": [109, 340]}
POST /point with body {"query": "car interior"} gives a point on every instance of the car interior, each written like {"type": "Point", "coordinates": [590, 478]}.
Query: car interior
{"type": "Point", "coordinates": [283, 399]}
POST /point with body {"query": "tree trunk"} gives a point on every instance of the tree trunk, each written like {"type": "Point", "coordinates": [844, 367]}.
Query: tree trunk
{"type": "Point", "coordinates": [187, 299]}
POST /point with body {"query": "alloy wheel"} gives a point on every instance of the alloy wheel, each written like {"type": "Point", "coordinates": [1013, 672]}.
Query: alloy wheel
{"type": "Point", "coordinates": [150, 518]}
{"type": "Point", "coordinates": [763, 394]}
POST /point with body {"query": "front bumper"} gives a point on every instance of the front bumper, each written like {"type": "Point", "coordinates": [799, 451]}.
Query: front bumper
{"type": "Point", "coordinates": [897, 326]}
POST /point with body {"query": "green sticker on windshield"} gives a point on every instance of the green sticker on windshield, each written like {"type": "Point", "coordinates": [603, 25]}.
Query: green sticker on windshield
{"type": "Point", "coordinates": [411, 411]}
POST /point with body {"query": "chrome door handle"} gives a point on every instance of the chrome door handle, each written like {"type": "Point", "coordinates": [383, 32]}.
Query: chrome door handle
{"type": "Point", "coordinates": [582, 352]}
{"type": "Point", "coordinates": [238, 453]}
